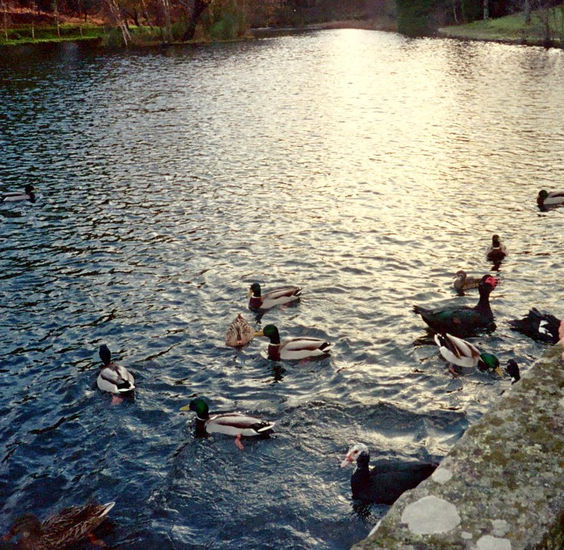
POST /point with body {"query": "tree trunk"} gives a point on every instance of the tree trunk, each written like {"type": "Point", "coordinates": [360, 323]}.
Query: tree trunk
{"type": "Point", "coordinates": [195, 13]}
{"type": "Point", "coordinates": [5, 8]}
{"type": "Point", "coordinates": [115, 10]}
{"type": "Point", "coordinates": [146, 14]}
{"type": "Point", "coordinates": [56, 10]}
{"type": "Point", "coordinates": [486, 10]}
{"type": "Point", "coordinates": [527, 10]}
{"type": "Point", "coordinates": [168, 27]}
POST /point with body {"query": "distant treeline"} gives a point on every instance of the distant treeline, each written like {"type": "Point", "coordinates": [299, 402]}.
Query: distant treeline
{"type": "Point", "coordinates": [182, 19]}
{"type": "Point", "coordinates": [420, 17]}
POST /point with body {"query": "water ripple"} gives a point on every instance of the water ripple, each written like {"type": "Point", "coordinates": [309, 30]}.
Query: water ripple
{"type": "Point", "coordinates": [364, 166]}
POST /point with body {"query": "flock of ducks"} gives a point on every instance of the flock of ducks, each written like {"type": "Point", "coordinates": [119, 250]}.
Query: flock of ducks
{"type": "Point", "coordinates": [385, 482]}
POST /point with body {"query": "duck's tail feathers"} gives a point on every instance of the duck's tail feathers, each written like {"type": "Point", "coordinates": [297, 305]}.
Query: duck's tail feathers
{"type": "Point", "coordinates": [439, 339]}
{"type": "Point", "coordinates": [326, 347]}
{"type": "Point", "coordinates": [106, 509]}
{"type": "Point", "coordinates": [267, 428]}
{"type": "Point", "coordinates": [419, 310]}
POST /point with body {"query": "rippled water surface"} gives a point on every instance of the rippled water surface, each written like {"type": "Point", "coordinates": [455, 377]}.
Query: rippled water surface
{"type": "Point", "coordinates": [364, 166]}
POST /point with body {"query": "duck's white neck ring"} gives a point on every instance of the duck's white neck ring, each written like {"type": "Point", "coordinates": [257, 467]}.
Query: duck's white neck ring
{"type": "Point", "coordinates": [201, 419]}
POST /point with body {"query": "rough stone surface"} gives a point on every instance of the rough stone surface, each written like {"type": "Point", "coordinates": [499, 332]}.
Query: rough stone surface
{"type": "Point", "coordinates": [430, 515]}
{"type": "Point", "coordinates": [504, 477]}
{"type": "Point", "coordinates": [487, 542]}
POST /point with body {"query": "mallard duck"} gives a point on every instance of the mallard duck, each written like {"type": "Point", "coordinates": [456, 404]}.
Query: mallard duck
{"type": "Point", "coordinates": [538, 326]}
{"type": "Point", "coordinates": [547, 200]}
{"type": "Point", "coordinates": [462, 320]}
{"type": "Point", "coordinates": [27, 195]}
{"type": "Point", "coordinates": [113, 378]}
{"type": "Point", "coordinates": [274, 297]}
{"type": "Point", "coordinates": [230, 423]}
{"type": "Point", "coordinates": [462, 282]}
{"type": "Point", "coordinates": [464, 355]}
{"type": "Point", "coordinates": [512, 369]}
{"type": "Point", "coordinates": [384, 483]}
{"type": "Point", "coordinates": [496, 251]}
{"type": "Point", "coordinates": [239, 333]}
{"type": "Point", "coordinates": [63, 530]}
{"type": "Point", "coordinates": [293, 348]}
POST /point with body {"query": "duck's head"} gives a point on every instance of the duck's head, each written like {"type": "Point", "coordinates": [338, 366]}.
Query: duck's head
{"type": "Point", "coordinates": [542, 196]}
{"type": "Point", "coordinates": [254, 290]}
{"type": "Point", "coordinates": [460, 274]}
{"type": "Point", "coordinates": [27, 526]}
{"type": "Point", "coordinates": [29, 188]}
{"type": "Point", "coordinates": [488, 361]}
{"type": "Point", "coordinates": [105, 354]}
{"type": "Point", "coordinates": [496, 241]}
{"type": "Point", "coordinates": [359, 451]}
{"type": "Point", "coordinates": [199, 406]}
{"type": "Point", "coordinates": [512, 369]}
{"type": "Point", "coordinates": [270, 331]}
{"type": "Point", "coordinates": [488, 283]}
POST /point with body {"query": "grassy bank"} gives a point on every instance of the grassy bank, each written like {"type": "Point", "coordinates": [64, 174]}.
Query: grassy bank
{"type": "Point", "coordinates": [26, 34]}
{"type": "Point", "coordinates": [544, 27]}
{"type": "Point", "coordinates": [146, 36]}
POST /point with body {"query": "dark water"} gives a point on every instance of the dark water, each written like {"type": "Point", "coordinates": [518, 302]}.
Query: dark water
{"type": "Point", "coordinates": [364, 166]}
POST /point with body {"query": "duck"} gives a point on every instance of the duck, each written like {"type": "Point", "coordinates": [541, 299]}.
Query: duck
{"type": "Point", "coordinates": [462, 282]}
{"type": "Point", "coordinates": [463, 320]}
{"type": "Point", "coordinates": [384, 483]}
{"type": "Point", "coordinates": [275, 297]}
{"type": "Point", "coordinates": [539, 326]}
{"type": "Point", "coordinates": [113, 378]}
{"type": "Point", "coordinates": [230, 423]}
{"type": "Point", "coordinates": [293, 348]}
{"type": "Point", "coordinates": [512, 369]}
{"type": "Point", "coordinates": [463, 354]}
{"type": "Point", "coordinates": [27, 195]}
{"type": "Point", "coordinates": [496, 251]}
{"type": "Point", "coordinates": [239, 333]}
{"type": "Point", "coordinates": [547, 200]}
{"type": "Point", "coordinates": [63, 530]}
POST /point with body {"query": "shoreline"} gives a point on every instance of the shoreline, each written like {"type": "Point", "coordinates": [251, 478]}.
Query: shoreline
{"type": "Point", "coordinates": [379, 23]}
{"type": "Point", "coordinates": [481, 31]}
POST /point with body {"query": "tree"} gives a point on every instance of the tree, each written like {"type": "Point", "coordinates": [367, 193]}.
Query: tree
{"type": "Point", "coordinates": [119, 20]}
{"type": "Point", "coordinates": [194, 10]}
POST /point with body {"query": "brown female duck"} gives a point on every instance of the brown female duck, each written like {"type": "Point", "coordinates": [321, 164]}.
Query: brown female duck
{"type": "Point", "coordinates": [63, 530]}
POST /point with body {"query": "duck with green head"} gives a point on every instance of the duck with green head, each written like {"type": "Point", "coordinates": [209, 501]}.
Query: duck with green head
{"type": "Point", "coordinates": [275, 297]}
{"type": "Point", "coordinates": [229, 423]}
{"type": "Point", "coordinates": [464, 355]}
{"type": "Point", "coordinates": [548, 200]}
{"type": "Point", "coordinates": [293, 348]}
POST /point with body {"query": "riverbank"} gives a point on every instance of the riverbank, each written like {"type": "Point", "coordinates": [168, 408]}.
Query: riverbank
{"type": "Point", "coordinates": [544, 29]}
{"type": "Point", "coordinates": [44, 29]}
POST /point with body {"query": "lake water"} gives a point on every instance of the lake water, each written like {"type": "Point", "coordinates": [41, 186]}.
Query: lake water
{"type": "Point", "coordinates": [365, 166]}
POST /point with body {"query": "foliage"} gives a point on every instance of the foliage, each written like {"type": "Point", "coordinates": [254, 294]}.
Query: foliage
{"type": "Point", "coordinates": [112, 39]}
{"type": "Point", "coordinates": [414, 16]}
{"type": "Point", "coordinates": [226, 19]}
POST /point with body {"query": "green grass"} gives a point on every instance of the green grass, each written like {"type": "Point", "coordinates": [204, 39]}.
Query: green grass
{"type": "Point", "coordinates": [43, 34]}
{"type": "Point", "coordinates": [511, 28]}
